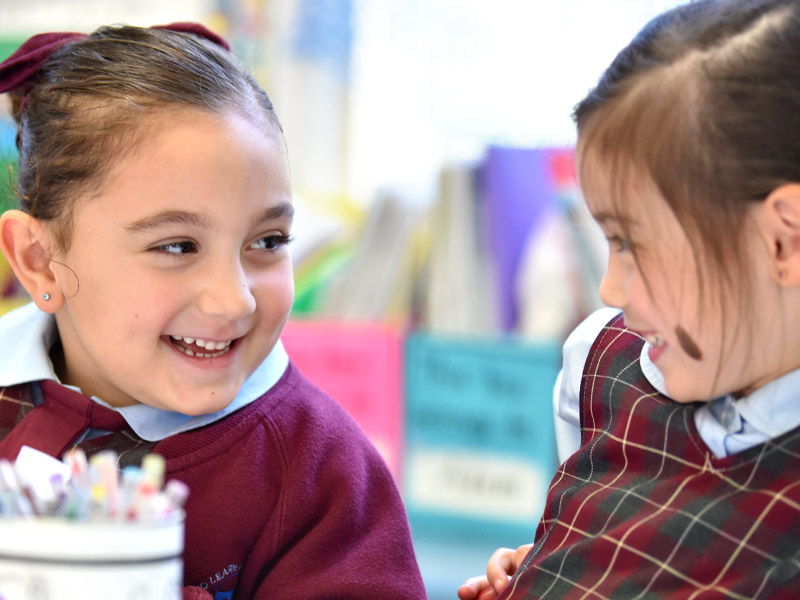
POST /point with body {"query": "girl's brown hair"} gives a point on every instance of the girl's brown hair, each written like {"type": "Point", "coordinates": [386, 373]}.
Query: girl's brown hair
{"type": "Point", "coordinates": [704, 102]}
{"type": "Point", "coordinates": [94, 100]}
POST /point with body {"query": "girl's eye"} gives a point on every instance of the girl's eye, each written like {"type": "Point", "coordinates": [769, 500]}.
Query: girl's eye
{"type": "Point", "coordinates": [618, 244]}
{"type": "Point", "coordinates": [177, 248]}
{"type": "Point", "coordinates": [271, 243]}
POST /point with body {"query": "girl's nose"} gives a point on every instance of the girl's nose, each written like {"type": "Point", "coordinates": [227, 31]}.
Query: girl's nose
{"type": "Point", "coordinates": [613, 289]}
{"type": "Point", "coordinates": [226, 293]}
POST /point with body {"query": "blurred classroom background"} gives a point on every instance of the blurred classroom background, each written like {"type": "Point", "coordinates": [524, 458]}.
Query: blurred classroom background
{"type": "Point", "coordinates": [442, 249]}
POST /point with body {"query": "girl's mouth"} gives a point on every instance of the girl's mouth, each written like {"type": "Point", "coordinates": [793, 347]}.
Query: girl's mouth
{"type": "Point", "coordinates": [654, 339]}
{"type": "Point", "coordinates": [657, 345]}
{"type": "Point", "coordinates": [198, 348]}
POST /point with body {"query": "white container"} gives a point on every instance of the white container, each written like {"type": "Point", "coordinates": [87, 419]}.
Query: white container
{"type": "Point", "coordinates": [54, 559]}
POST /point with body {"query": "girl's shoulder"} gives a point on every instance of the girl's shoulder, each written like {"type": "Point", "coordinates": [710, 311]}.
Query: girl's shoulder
{"type": "Point", "coordinates": [566, 393]}
{"type": "Point", "coordinates": [579, 343]}
{"type": "Point", "coordinates": [297, 405]}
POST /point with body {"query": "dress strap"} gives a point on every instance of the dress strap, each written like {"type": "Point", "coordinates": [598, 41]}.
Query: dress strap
{"type": "Point", "coordinates": [58, 422]}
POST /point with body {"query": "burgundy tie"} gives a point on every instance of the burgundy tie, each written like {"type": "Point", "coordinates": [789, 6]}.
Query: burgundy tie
{"type": "Point", "coordinates": [58, 422]}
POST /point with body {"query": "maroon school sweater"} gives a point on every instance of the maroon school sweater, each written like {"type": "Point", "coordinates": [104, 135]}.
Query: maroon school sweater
{"type": "Point", "coordinates": [288, 497]}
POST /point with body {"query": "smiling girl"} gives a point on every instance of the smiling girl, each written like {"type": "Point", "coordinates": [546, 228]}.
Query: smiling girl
{"type": "Point", "coordinates": [155, 213]}
{"type": "Point", "coordinates": [683, 398]}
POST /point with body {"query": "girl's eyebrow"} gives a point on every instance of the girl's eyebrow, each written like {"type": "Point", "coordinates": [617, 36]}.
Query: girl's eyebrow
{"type": "Point", "coordinates": [284, 210]}
{"type": "Point", "coordinates": [167, 217]}
{"type": "Point", "coordinates": [605, 218]}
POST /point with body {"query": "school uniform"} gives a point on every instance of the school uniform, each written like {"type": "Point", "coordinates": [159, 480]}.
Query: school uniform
{"type": "Point", "coordinates": [646, 509]}
{"type": "Point", "coordinates": [288, 498]}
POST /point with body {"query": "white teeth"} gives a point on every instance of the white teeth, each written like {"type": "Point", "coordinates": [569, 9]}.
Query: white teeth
{"type": "Point", "coordinates": [217, 348]}
{"type": "Point", "coordinates": [209, 345]}
{"type": "Point", "coordinates": [654, 339]}
{"type": "Point", "coordinates": [188, 352]}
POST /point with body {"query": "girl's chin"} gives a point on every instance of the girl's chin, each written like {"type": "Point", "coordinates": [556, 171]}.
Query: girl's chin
{"type": "Point", "coordinates": [683, 394]}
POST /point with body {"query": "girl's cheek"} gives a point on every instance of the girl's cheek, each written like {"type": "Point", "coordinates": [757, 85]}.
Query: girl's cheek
{"type": "Point", "coordinates": [688, 343]}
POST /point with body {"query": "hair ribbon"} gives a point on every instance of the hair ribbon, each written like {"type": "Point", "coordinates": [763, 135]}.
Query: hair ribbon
{"type": "Point", "coordinates": [19, 70]}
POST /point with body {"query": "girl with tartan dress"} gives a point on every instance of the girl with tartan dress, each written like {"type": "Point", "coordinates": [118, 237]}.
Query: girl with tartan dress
{"type": "Point", "coordinates": [683, 476]}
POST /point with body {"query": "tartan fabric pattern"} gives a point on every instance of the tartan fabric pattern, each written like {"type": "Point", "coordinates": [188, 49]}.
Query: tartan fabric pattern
{"type": "Point", "coordinates": [130, 448]}
{"type": "Point", "coordinates": [15, 403]}
{"type": "Point", "coordinates": [644, 510]}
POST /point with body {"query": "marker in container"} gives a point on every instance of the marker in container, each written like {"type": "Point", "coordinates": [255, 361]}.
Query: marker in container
{"type": "Point", "coordinates": [81, 489]}
{"type": "Point", "coordinates": [104, 481]}
{"type": "Point", "coordinates": [13, 494]}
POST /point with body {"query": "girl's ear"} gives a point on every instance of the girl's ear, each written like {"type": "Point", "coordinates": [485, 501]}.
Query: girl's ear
{"type": "Point", "coordinates": [782, 228]}
{"type": "Point", "coordinates": [25, 244]}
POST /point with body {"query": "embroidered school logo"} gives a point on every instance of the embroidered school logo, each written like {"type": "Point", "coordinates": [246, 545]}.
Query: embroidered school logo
{"type": "Point", "coordinates": [225, 579]}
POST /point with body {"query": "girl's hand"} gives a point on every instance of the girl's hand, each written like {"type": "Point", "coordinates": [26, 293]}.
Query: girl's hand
{"type": "Point", "coordinates": [501, 566]}
{"type": "Point", "coordinates": [477, 588]}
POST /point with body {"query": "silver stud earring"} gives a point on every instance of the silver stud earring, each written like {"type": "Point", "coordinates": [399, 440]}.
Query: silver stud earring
{"type": "Point", "coordinates": [45, 296]}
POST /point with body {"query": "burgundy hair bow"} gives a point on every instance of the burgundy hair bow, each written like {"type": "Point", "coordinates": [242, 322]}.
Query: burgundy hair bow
{"type": "Point", "coordinates": [19, 70]}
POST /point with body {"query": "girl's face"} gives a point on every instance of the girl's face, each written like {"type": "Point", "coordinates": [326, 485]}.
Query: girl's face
{"type": "Point", "coordinates": [178, 280]}
{"type": "Point", "coordinates": [699, 342]}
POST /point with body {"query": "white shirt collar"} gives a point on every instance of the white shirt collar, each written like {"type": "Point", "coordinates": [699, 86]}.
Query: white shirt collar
{"type": "Point", "coordinates": [650, 370]}
{"type": "Point", "coordinates": [729, 425]}
{"type": "Point", "coordinates": [29, 333]}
